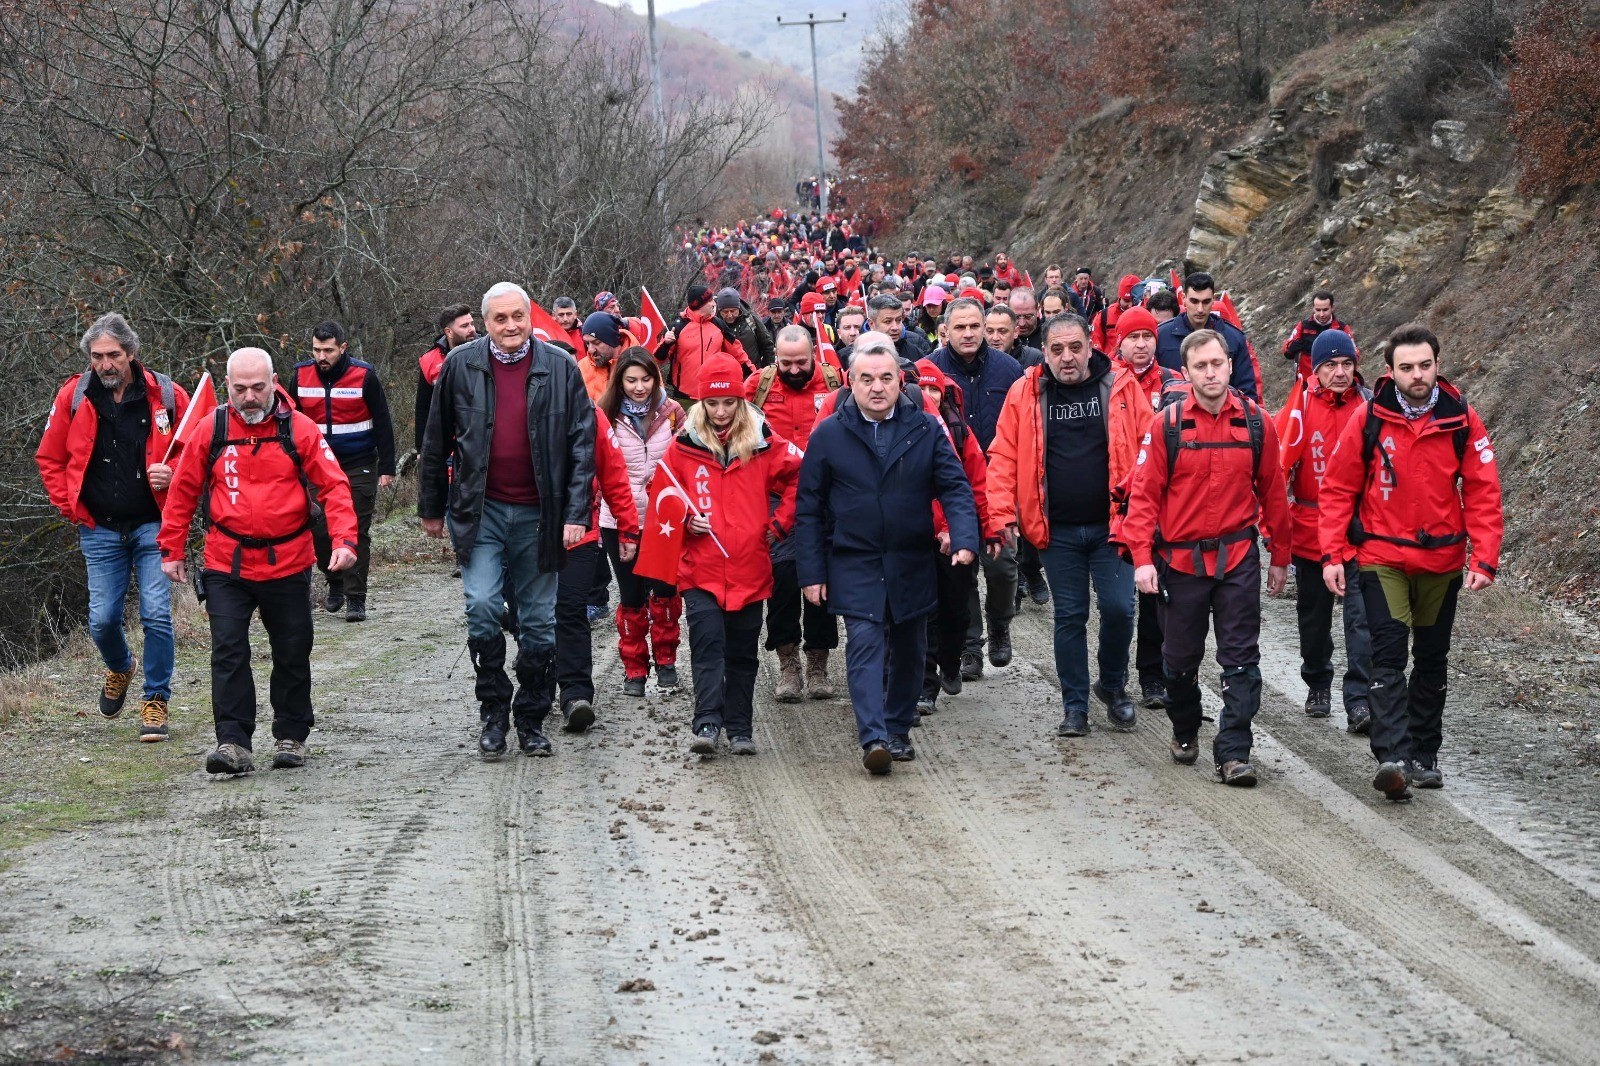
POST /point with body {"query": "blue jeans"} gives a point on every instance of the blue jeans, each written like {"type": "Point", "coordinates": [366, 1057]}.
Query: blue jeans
{"type": "Point", "coordinates": [507, 549]}
{"type": "Point", "coordinates": [1077, 555]}
{"type": "Point", "coordinates": [113, 561]}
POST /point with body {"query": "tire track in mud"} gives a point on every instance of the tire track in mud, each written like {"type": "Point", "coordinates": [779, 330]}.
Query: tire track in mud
{"type": "Point", "coordinates": [1355, 874]}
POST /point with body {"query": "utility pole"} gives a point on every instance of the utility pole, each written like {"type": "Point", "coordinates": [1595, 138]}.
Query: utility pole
{"type": "Point", "coordinates": [661, 108]}
{"type": "Point", "coordinates": [811, 22]}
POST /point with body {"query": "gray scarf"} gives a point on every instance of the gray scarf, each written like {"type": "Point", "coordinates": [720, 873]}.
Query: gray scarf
{"type": "Point", "coordinates": [511, 357]}
{"type": "Point", "coordinates": [1414, 413]}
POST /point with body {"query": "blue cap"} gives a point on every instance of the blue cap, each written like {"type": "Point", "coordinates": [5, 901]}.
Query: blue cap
{"type": "Point", "coordinates": [604, 327]}
{"type": "Point", "coordinates": [1332, 344]}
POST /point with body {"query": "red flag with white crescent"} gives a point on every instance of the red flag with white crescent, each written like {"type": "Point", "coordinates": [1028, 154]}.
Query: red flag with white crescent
{"type": "Point", "coordinates": [825, 347]}
{"type": "Point", "coordinates": [661, 542]}
{"type": "Point", "coordinates": [650, 315]}
{"type": "Point", "coordinates": [545, 326]}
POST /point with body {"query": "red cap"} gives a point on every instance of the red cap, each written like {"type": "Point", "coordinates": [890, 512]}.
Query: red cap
{"type": "Point", "coordinates": [827, 285]}
{"type": "Point", "coordinates": [1125, 286]}
{"type": "Point", "coordinates": [812, 302]}
{"type": "Point", "coordinates": [929, 375]}
{"type": "Point", "coordinates": [720, 376]}
{"type": "Point", "coordinates": [973, 294]}
{"type": "Point", "coordinates": [1132, 321]}
{"type": "Point", "coordinates": [952, 280]}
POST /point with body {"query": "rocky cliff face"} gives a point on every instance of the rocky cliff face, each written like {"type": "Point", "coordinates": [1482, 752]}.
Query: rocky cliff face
{"type": "Point", "coordinates": [1426, 227]}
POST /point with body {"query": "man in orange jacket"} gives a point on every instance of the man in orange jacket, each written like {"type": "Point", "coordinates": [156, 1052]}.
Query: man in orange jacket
{"type": "Point", "coordinates": [1208, 482]}
{"type": "Point", "coordinates": [252, 468]}
{"type": "Point", "coordinates": [1308, 430]}
{"type": "Point", "coordinates": [1069, 431]}
{"type": "Point", "coordinates": [1411, 484]}
{"type": "Point", "coordinates": [103, 463]}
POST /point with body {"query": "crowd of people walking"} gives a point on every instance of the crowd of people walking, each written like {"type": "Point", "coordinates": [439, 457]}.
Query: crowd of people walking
{"type": "Point", "coordinates": [822, 439]}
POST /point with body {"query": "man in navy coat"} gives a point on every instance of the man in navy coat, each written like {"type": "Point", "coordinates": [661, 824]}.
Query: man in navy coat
{"type": "Point", "coordinates": [865, 543]}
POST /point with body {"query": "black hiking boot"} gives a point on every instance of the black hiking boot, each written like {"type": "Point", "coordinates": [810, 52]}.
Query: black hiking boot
{"type": "Point", "coordinates": [666, 676]}
{"type": "Point", "coordinates": [705, 739]}
{"type": "Point", "coordinates": [900, 749]}
{"type": "Point", "coordinates": [1420, 776]}
{"type": "Point", "coordinates": [950, 681]}
{"type": "Point", "coordinates": [971, 667]}
{"type": "Point", "coordinates": [1119, 708]}
{"type": "Point", "coordinates": [492, 740]}
{"type": "Point", "coordinates": [1038, 589]}
{"type": "Point", "coordinates": [999, 643]}
{"type": "Point", "coordinates": [355, 609]}
{"type": "Point", "coordinates": [1358, 718]}
{"type": "Point", "coordinates": [577, 716]}
{"type": "Point", "coordinates": [333, 602]}
{"type": "Point", "coordinates": [1153, 693]}
{"type": "Point", "coordinates": [1319, 703]}
{"type": "Point", "coordinates": [633, 686]}
{"type": "Point", "coordinates": [1074, 724]}
{"type": "Point", "coordinates": [534, 743]}
{"type": "Point", "coordinates": [741, 746]}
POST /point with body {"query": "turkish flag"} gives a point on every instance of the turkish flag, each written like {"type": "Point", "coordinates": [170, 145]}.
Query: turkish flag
{"type": "Point", "coordinates": [197, 416]}
{"type": "Point", "coordinates": [544, 324]}
{"type": "Point", "coordinates": [1230, 314]}
{"type": "Point", "coordinates": [655, 326]}
{"type": "Point", "coordinates": [825, 349]}
{"type": "Point", "coordinates": [665, 522]}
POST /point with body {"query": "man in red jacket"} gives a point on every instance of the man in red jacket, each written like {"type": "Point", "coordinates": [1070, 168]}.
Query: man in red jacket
{"type": "Point", "coordinates": [1308, 430]}
{"type": "Point", "coordinates": [790, 393]}
{"type": "Point", "coordinates": [1412, 482]}
{"type": "Point", "coordinates": [103, 462]}
{"type": "Point", "coordinates": [252, 468]}
{"type": "Point", "coordinates": [1192, 525]}
{"type": "Point", "coordinates": [1297, 348]}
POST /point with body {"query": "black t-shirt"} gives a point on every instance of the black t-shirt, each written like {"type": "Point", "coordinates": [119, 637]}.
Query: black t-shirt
{"type": "Point", "coordinates": [1076, 451]}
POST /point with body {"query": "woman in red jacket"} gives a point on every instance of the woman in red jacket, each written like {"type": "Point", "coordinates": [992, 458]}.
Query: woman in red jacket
{"type": "Point", "coordinates": [729, 462]}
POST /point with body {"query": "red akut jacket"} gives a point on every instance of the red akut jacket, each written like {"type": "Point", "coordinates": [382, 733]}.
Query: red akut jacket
{"type": "Point", "coordinates": [611, 480]}
{"type": "Point", "coordinates": [1304, 334]}
{"type": "Point", "coordinates": [1422, 495]}
{"type": "Point", "coordinates": [698, 340]}
{"type": "Point", "coordinates": [1308, 430]}
{"type": "Point", "coordinates": [68, 442]}
{"type": "Point", "coordinates": [791, 413]}
{"type": "Point", "coordinates": [1213, 492]}
{"type": "Point", "coordinates": [1010, 275]}
{"type": "Point", "coordinates": [736, 499]}
{"type": "Point", "coordinates": [255, 492]}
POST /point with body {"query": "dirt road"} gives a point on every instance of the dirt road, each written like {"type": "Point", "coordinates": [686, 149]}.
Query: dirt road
{"type": "Point", "coordinates": [1008, 897]}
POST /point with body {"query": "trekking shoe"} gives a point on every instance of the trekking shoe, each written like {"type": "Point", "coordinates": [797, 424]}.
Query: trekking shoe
{"type": "Point", "coordinates": [153, 721]}
{"type": "Point", "coordinates": [333, 602]}
{"type": "Point", "coordinates": [1153, 693]}
{"type": "Point", "coordinates": [741, 746]}
{"type": "Point", "coordinates": [534, 743]}
{"type": "Point", "coordinates": [790, 682]}
{"type": "Point", "coordinates": [999, 643]}
{"type": "Point", "coordinates": [900, 749]}
{"type": "Point", "coordinates": [666, 676]}
{"type": "Point", "coordinates": [289, 755]}
{"type": "Point", "coordinates": [355, 609]}
{"type": "Point", "coordinates": [1184, 752]}
{"type": "Point", "coordinates": [492, 741]}
{"type": "Point", "coordinates": [1391, 781]}
{"type": "Point", "coordinates": [1419, 776]}
{"type": "Point", "coordinates": [115, 693]}
{"type": "Point", "coordinates": [705, 739]}
{"type": "Point", "coordinates": [1358, 718]}
{"type": "Point", "coordinates": [577, 716]}
{"type": "Point", "coordinates": [633, 686]}
{"type": "Point", "coordinates": [876, 758]}
{"type": "Point", "coordinates": [950, 681]}
{"type": "Point", "coordinates": [1075, 724]}
{"type": "Point", "coordinates": [1038, 589]}
{"type": "Point", "coordinates": [1119, 708]}
{"type": "Point", "coordinates": [595, 614]}
{"type": "Point", "coordinates": [230, 759]}
{"type": "Point", "coordinates": [1237, 772]}
{"type": "Point", "coordinates": [1319, 703]}
{"type": "Point", "coordinates": [924, 707]}
{"type": "Point", "coordinates": [818, 687]}
{"type": "Point", "coordinates": [971, 666]}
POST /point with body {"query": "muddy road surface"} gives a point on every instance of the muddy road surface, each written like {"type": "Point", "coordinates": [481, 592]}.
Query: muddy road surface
{"type": "Point", "coordinates": [1009, 897]}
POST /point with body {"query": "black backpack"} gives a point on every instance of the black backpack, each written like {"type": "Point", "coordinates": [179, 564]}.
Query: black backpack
{"type": "Point", "coordinates": [1172, 426]}
{"type": "Point", "coordinates": [284, 416]}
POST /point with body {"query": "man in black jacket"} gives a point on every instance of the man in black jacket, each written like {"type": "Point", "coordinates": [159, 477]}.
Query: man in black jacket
{"type": "Point", "coordinates": [512, 413]}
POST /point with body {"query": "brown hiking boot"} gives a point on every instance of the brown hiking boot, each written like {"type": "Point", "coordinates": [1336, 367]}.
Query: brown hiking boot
{"type": "Point", "coordinates": [789, 683]}
{"type": "Point", "coordinates": [289, 755]}
{"type": "Point", "coordinates": [153, 721]}
{"type": "Point", "coordinates": [1184, 752]}
{"type": "Point", "coordinates": [115, 693]}
{"type": "Point", "coordinates": [818, 687]}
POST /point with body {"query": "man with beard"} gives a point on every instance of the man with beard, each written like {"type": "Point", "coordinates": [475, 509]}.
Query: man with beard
{"type": "Point", "coordinates": [103, 463]}
{"type": "Point", "coordinates": [1297, 348]}
{"type": "Point", "coordinates": [779, 314]}
{"type": "Point", "coordinates": [605, 337]}
{"type": "Point", "coordinates": [741, 323]}
{"type": "Point", "coordinates": [1030, 326]}
{"type": "Point", "coordinates": [254, 467]}
{"type": "Point", "coordinates": [565, 312]}
{"type": "Point", "coordinates": [790, 393]}
{"type": "Point", "coordinates": [455, 327]}
{"type": "Point", "coordinates": [1412, 484]}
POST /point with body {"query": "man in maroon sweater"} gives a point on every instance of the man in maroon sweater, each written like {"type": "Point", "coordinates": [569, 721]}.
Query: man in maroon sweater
{"type": "Point", "coordinates": [512, 413]}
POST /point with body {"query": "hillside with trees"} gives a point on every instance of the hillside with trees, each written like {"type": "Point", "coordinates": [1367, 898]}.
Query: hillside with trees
{"type": "Point", "coordinates": [1430, 160]}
